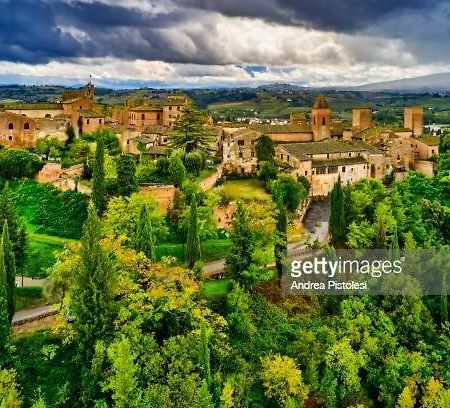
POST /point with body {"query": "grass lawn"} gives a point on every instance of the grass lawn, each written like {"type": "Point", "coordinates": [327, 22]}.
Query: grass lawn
{"type": "Point", "coordinates": [41, 253]}
{"type": "Point", "coordinates": [215, 288]}
{"type": "Point", "coordinates": [246, 189]}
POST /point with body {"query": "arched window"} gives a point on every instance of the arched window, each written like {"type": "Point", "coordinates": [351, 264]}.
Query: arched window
{"type": "Point", "coordinates": [26, 126]}
{"type": "Point", "coordinates": [10, 126]}
{"type": "Point", "coordinates": [47, 115]}
{"type": "Point", "coordinates": [143, 116]}
{"type": "Point", "coordinates": [323, 121]}
{"type": "Point", "coordinates": [87, 121]}
{"type": "Point", "coordinates": [100, 121]}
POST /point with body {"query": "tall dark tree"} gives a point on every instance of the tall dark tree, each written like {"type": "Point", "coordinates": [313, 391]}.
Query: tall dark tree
{"type": "Point", "coordinates": [337, 223]}
{"type": "Point", "coordinates": [92, 291]}
{"type": "Point", "coordinates": [98, 178]}
{"type": "Point", "coordinates": [126, 175]}
{"type": "Point", "coordinates": [193, 250]}
{"type": "Point", "coordinates": [190, 134]}
{"type": "Point", "coordinates": [70, 133]}
{"type": "Point", "coordinates": [10, 270]}
{"type": "Point", "coordinates": [265, 149]}
{"type": "Point", "coordinates": [281, 243]}
{"type": "Point", "coordinates": [240, 257]}
{"type": "Point", "coordinates": [17, 231]}
{"type": "Point", "coordinates": [5, 327]}
{"type": "Point", "coordinates": [144, 239]}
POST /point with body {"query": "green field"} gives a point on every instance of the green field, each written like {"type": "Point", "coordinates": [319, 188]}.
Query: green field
{"type": "Point", "coordinates": [215, 288]}
{"type": "Point", "coordinates": [246, 189]}
{"type": "Point", "coordinates": [41, 253]}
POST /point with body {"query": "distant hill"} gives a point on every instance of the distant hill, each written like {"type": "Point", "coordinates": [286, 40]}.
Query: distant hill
{"type": "Point", "coordinates": [279, 87]}
{"type": "Point", "coordinates": [427, 83]}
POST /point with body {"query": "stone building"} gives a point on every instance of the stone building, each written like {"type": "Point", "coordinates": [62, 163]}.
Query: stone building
{"type": "Point", "coordinates": [362, 118]}
{"type": "Point", "coordinates": [321, 119]}
{"type": "Point", "coordinates": [413, 120]}
{"type": "Point", "coordinates": [239, 153]}
{"type": "Point", "coordinates": [17, 130]}
{"type": "Point", "coordinates": [143, 116]}
{"type": "Point", "coordinates": [323, 162]}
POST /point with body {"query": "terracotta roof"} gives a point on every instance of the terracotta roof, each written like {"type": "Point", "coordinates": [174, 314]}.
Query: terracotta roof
{"type": "Point", "coordinates": [272, 129]}
{"type": "Point", "coordinates": [146, 108]}
{"type": "Point", "coordinates": [324, 146]}
{"type": "Point", "coordinates": [429, 140]}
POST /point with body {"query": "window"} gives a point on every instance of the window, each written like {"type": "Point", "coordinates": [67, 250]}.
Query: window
{"type": "Point", "coordinates": [87, 121]}
{"type": "Point", "coordinates": [100, 121]}
{"type": "Point", "coordinates": [10, 137]}
{"type": "Point", "coordinates": [288, 157]}
{"type": "Point", "coordinates": [241, 155]}
{"type": "Point", "coordinates": [306, 172]}
{"type": "Point", "coordinates": [170, 107]}
{"type": "Point", "coordinates": [349, 155]}
{"type": "Point", "coordinates": [11, 126]}
{"type": "Point", "coordinates": [321, 170]}
{"type": "Point", "coordinates": [81, 107]}
{"type": "Point", "coordinates": [332, 169]}
{"type": "Point", "coordinates": [143, 116]}
{"type": "Point", "coordinates": [328, 155]}
{"type": "Point", "coordinates": [323, 121]}
{"type": "Point", "coordinates": [343, 169]}
{"type": "Point", "coordinates": [158, 116]}
{"type": "Point", "coordinates": [241, 142]}
{"type": "Point", "coordinates": [47, 115]}
{"type": "Point", "coordinates": [26, 126]}
{"type": "Point", "coordinates": [281, 157]}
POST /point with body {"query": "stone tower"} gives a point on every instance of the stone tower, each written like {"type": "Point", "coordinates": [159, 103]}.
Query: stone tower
{"type": "Point", "coordinates": [413, 119]}
{"type": "Point", "coordinates": [321, 119]}
{"type": "Point", "coordinates": [362, 118]}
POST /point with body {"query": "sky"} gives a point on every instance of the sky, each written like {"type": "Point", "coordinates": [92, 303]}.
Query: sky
{"type": "Point", "coordinates": [221, 43]}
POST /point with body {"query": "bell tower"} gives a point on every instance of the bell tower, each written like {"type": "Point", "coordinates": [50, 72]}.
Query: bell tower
{"type": "Point", "coordinates": [321, 119]}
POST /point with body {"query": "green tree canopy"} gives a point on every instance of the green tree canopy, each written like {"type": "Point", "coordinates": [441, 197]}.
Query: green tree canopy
{"type": "Point", "coordinates": [265, 149]}
{"type": "Point", "coordinates": [190, 134]}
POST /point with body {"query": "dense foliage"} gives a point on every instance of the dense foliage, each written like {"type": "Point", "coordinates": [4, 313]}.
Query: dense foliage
{"type": "Point", "coordinates": [18, 163]}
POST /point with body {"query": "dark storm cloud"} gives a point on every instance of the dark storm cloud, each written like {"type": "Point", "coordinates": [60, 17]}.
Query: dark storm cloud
{"type": "Point", "coordinates": [38, 31]}
{"type": "Point", "coordinates": [329, 15]}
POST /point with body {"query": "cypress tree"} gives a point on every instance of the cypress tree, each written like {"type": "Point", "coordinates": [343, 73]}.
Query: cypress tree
{"type": "Point", "coordinates": [10, 270]}
{"type": "Point", "coordinates": [281, 244]}
{"type": "Point", "coordinates": [444, 298]}
{"type": "Point", "coordinates": [144, 240]}
{"type": "Point", "coordinates": [240, 257]}
{"type": "Point", "coordinates": [5, 326]}
{"type": "Point", "coordinates": [193, 251]}
{"type": "Point", "coordinates": [337, 224]}
{"type": "Point", "coordinates": [126, 175]}
{"type": "Point", "coordinates": [92, 291]}
{"type": "Point", "coordinates": [17, 232]}
{"type": "Point", "coordinates": [98, 177]}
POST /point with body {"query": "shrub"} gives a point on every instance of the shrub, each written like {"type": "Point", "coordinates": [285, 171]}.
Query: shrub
{"type": "Point", "coordinates": [30, 292]}
{"type": "Point", "coordinates": [19, 163]}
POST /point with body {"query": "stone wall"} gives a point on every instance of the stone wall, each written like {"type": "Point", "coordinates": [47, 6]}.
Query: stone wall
{"type": "Point", "coordinates": [53, 172]}
{"type": "Point", "coordinates": [163, 194]}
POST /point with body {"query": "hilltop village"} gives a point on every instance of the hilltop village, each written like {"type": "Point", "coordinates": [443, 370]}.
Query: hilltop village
{"type": "Point", "coordinates": [150, 245]}
{"type": "Point", "coordinates": [315, 146]}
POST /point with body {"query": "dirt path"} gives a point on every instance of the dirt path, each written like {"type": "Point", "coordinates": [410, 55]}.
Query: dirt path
{"type": "Point", "coordinates": [210, 181]}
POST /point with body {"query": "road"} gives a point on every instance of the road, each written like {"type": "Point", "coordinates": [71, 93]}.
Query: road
{"type": "Point", "coordinates": [29, 315]}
